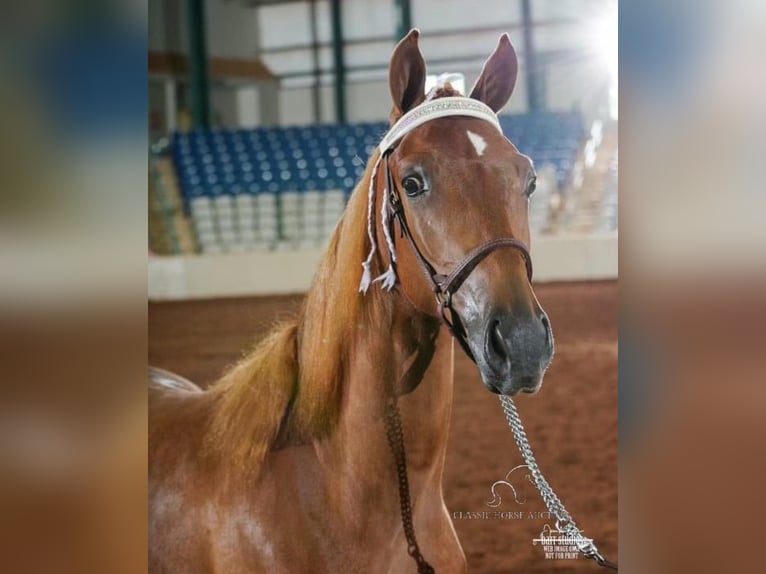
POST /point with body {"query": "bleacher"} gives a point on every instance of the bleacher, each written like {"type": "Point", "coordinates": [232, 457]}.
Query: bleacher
{"type": "Point", "coordinates": [285, 188]}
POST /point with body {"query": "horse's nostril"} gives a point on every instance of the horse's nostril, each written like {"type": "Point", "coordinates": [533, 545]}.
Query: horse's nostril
{"type": "Point", "coordinates": [496, 340]}
{"type": "Point", "coordinates": [547, 327]}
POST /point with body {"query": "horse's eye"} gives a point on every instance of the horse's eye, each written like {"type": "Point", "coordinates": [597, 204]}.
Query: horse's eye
{"type": "Point", "coordinates": [413, 185]}
{"type": "Point", "coordinates": [531, 186]}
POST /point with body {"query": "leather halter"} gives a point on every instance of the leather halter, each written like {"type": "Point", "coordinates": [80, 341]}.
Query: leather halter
{"type": "Point", "coordinates": [445, 286]}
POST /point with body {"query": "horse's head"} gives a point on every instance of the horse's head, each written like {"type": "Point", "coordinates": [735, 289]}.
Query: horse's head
{"type": "Point", "coordinates": [462, 184]}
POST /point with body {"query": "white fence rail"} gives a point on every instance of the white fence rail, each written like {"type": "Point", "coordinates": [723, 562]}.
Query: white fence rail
{"type": "Point", "coordinates": [556, 258]}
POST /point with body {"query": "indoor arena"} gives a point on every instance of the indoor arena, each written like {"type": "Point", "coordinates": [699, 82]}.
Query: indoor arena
{"type": "Point", "coordinates": [266, 119]}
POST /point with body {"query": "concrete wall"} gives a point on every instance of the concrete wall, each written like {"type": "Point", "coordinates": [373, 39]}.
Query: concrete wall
{"type": "Point", "coordinates": [557, 258]}
{"type": "Point", "coordinates": [232, 28]}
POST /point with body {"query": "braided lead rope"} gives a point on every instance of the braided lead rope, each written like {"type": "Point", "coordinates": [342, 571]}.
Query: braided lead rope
{"type": "Point", "coordinates": [564, 522]}
{"type": "Point", "coordinates": [395, 437]}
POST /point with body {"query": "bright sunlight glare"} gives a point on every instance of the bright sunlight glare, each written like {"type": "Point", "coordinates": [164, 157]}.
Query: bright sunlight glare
{"type": "Point", "coordinates": [603, 34]}
{"type": "Point", "coordinates": [604, 40]}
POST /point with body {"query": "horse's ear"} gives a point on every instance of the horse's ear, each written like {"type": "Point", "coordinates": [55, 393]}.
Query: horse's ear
{"type": "Point", "coordinates": [407, 75]}
{"type": "Point", "coordinates": [498, 76]}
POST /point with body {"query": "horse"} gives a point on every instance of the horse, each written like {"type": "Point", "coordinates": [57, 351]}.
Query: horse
{"type": "Point", "coordinates": [284, 465]}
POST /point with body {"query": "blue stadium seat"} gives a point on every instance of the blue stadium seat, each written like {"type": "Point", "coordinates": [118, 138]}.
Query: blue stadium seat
{"type": "Point", "coordinates": [315, 153]}
{"type": "Point", "coordinates": [330, 159]}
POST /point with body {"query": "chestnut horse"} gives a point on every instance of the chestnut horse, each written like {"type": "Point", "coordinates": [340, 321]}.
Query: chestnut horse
{"type": "Point", "coordinates": [283, 466]}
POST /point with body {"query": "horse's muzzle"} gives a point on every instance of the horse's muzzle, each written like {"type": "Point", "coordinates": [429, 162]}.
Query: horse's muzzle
{"type": "Point", "coordinates": [513, 351]}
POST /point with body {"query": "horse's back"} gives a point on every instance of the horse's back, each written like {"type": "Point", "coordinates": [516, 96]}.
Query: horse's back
{"type": "Point", "coordinates": [177, 542]}
{"type": "Point", "coordinates": [177, 419]}
{"type": "Point", "coordinates": [160, 379]}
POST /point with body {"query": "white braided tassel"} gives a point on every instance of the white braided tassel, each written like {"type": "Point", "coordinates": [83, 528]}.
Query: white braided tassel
{"type": "Point", "coordinates": [388, 279]}
{"type": "Point", "coordinates": [364, 285]}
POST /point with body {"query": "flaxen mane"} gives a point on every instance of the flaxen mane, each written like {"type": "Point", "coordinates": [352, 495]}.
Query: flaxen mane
{"type": "Point", "coordinates": [289, 388]}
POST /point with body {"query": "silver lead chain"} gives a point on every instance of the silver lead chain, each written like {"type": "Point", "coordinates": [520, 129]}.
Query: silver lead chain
{"type": "Point", "coordinates": [564, 523]}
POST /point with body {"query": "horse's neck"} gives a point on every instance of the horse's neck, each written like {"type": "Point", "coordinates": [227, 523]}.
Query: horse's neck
{"type": "Point", "coordinates": [416, 355]}
{"type": "Point", "coordinates": [385, 345]}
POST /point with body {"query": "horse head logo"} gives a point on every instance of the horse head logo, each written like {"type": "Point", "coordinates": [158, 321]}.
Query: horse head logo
{"type": "Point", "coordinates": [497, 500]}
{"type": "Point", "coordinates": [548, 532]}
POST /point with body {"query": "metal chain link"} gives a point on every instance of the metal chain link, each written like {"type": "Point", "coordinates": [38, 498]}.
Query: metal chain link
{"type": "Point", "coordinates": [395, 437]}
{"type": "Point", "coordinates": [564, 522]}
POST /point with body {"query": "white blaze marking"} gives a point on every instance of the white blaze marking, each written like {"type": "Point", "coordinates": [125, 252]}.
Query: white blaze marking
{"type": "Point", "coordinates": [478, 142]}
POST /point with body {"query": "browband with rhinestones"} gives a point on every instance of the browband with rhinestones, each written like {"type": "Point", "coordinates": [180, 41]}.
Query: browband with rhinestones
{"type": "Point", "coordinates": [443, 107]}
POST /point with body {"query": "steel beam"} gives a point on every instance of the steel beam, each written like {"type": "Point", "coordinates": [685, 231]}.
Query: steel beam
{"type": "Point", "coordinates": [339, 62]}
{"type": "Point", "coordinates": [199, 83]}
{"type": "Point", "coordinates": [535, 101]}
